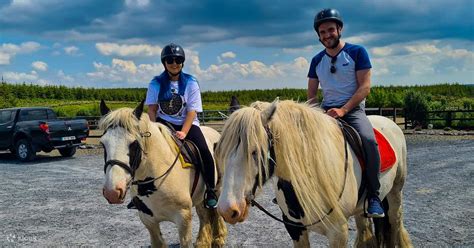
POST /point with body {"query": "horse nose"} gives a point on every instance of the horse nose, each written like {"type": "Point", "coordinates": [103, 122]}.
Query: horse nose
{"type": "Point", "coordinates": [230, 214]}
{"type": "Point", "coordinates": [114, 196]}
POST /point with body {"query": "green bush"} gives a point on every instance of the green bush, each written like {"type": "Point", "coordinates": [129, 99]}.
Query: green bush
{"type": "Point", "coordinates": [416, 107]}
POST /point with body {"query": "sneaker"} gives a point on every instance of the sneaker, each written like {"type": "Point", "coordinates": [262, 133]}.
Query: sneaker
{"type": "Point", "coordinates": [210, 199]}
{"type": "Point", "coordinates": [375, 209]}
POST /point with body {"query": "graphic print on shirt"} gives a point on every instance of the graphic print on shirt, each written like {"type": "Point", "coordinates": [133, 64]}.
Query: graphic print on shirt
{"type": "Point", "coordinates": [173, 107]}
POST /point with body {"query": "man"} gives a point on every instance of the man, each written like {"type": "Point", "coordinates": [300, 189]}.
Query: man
{"type": "Point", "coordinates": [343, 70]}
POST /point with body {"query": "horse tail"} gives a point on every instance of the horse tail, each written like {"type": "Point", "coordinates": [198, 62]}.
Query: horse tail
{"type": "Point", "coordinates": [382, 227]}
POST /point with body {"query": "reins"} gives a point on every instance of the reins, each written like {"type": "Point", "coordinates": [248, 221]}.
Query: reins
{"type": "Point", "coordinates": [137, 182]}
{"type": "Point", "coordinates": [271, 160]}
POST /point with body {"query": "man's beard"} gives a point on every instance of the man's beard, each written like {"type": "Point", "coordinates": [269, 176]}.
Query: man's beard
{"type": "Point", "coordinates": [334, 45]}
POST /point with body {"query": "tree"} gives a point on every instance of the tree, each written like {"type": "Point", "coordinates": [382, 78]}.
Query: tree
{"type": "Point", "coordinates": [416, 107]}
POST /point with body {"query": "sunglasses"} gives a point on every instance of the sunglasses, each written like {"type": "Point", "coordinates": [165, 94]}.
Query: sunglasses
{"type": "Point", "coordinates": [333, 67]}
{"type": "Point", "coordinates": [178, 60]}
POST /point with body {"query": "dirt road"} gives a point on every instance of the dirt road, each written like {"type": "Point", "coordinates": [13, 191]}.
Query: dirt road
{"type": "Point", "coordinates": [57, 202]}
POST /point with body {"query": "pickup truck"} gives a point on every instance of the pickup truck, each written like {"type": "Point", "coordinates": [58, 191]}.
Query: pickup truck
{"type": "Point", "coordinates": [26, 131]}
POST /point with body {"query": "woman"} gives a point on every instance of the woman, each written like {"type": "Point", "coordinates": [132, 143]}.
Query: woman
{"type": "Point", "coordinates": [174, 98]}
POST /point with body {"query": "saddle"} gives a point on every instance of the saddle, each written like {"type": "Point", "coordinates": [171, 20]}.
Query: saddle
{"type": "Point", "coordinates": [189, 153]}
{"type": "Point", "coordinates": [386, 152]}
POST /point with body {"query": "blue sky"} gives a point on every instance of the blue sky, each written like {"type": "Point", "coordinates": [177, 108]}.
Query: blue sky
{"type": "Point", "coordinates": [229, 45]}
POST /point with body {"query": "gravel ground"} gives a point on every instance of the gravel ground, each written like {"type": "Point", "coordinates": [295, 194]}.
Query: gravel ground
{"type": "Point", "coordinates": [55, 201]}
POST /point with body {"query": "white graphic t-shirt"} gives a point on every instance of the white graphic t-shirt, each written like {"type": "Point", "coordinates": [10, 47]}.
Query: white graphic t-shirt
{"type": "Point", "coordinates": [175, 110]}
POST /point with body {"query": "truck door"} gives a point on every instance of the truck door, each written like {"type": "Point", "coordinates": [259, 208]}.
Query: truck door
{"type": "Point", "coordinates": [6, 127]}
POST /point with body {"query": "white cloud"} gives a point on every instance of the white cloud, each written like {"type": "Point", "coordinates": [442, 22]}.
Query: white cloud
{"type": "Point", "coordinates": [125, 71]}
{"type": "Point", "coordinates": [114, 49]}
{"type": "Point", "coordinates": [422, 62]}
{"type": "Point", "coordinates": [71, 50]}
{"type": "Point", "coordinates": [137, 3]}
{"type": "Point", "coordinates": [22, 3]}
{"type": "Point", "coordinates": [226, 55]}
{"type": "Point", "coordinates": [364, 38]}
{"type": "Point", "coordinates": [382, 51]}
{"type": "Point", "coordinates": [229, 54]}
{"type": "Point", "coordinates": [40, 66]}
{"type": "Point", "coordinates": [8, 50]}
{"type": "Point", "coordinates": [404, 63]}
{"type": "Point", "coordinates": [4, 58]}
{"type": "Point", "coordinates": [251, 75]}
{"type": "Point", "coordinates": [63, 78]}
{"type": "Point", "coordinates": [20, 77]}
{"type": "Point", "coordinates": [422, 49]}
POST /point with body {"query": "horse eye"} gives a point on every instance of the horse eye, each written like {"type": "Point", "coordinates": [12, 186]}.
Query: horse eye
{"type": "Point", "coordinates": [254, 155]}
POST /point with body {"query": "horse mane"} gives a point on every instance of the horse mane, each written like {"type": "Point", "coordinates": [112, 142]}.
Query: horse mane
{"type": "Point", "coordinates": [309, 143]}
{"type": "Point", "coordinates": [125, 118]}
{"type": "Point", "coordinates": [308, 146]}
{"type": "Point", "coordinates": [244, 130]}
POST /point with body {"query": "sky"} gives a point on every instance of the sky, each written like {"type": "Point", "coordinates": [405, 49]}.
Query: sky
{"type": "Point", "coordinates": [229, 45]}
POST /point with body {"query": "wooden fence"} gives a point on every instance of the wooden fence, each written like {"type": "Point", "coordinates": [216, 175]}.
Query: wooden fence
{"type": "Point", "coordinates": [448, 116]}
{"type": "Point", "coordinates": [216, 117]}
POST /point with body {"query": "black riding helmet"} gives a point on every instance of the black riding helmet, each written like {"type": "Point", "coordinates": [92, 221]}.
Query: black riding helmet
{"type": "Point", "coordinates": [326, 15]}
{"type": "Point", "coordinates": [172, 50]}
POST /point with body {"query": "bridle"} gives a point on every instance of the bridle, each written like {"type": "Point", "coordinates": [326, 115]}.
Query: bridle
{"type": "Point", "coordinates": [136, 153]}
{"type": "Point", "coordinates": [272, 164]}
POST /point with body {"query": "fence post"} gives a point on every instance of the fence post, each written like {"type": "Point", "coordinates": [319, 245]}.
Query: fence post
{"type": "Point", "coordinates": [449, 118]}
{"type": "Point", "coordinates": [395, 115]}
{"type": "Point", "coordinates": [405, 118]}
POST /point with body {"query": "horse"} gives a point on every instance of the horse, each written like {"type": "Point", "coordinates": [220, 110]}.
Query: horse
{"type": "Point", "coordinates": [317, 176]}
{"type": "Point", "coordinates": [143, 156]}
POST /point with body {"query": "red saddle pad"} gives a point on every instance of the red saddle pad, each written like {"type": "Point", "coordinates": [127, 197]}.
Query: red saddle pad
{"type": "Point", "coordinates": [387, 154]}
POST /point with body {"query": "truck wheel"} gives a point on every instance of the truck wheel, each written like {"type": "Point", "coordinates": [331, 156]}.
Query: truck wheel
{"type": "Point", "coordinates": [24, 150]}
{"type": "Point", "coordinates": [68, 151]}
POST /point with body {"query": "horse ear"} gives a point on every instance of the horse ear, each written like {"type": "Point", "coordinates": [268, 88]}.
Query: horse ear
{"type": "Point", "coordinates": [268, 113]}
{"type": "Point", "coordinates": [234, 105]}
{"type": "Point", "coordinates": [103, 108]}
{"type": "Point", "coordinates": [139, 110]}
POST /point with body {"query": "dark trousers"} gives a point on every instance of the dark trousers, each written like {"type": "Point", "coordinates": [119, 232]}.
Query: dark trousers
{"type": "Point", "coordinates": [358, 119]}
{"type": "Point", "coordinates": [195, 135]}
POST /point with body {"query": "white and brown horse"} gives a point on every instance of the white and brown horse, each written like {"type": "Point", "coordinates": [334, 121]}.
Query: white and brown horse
{"type": "Point", "coordinates": [317, 174]}
{"type": "Point", "coordinates": [142, 155]}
